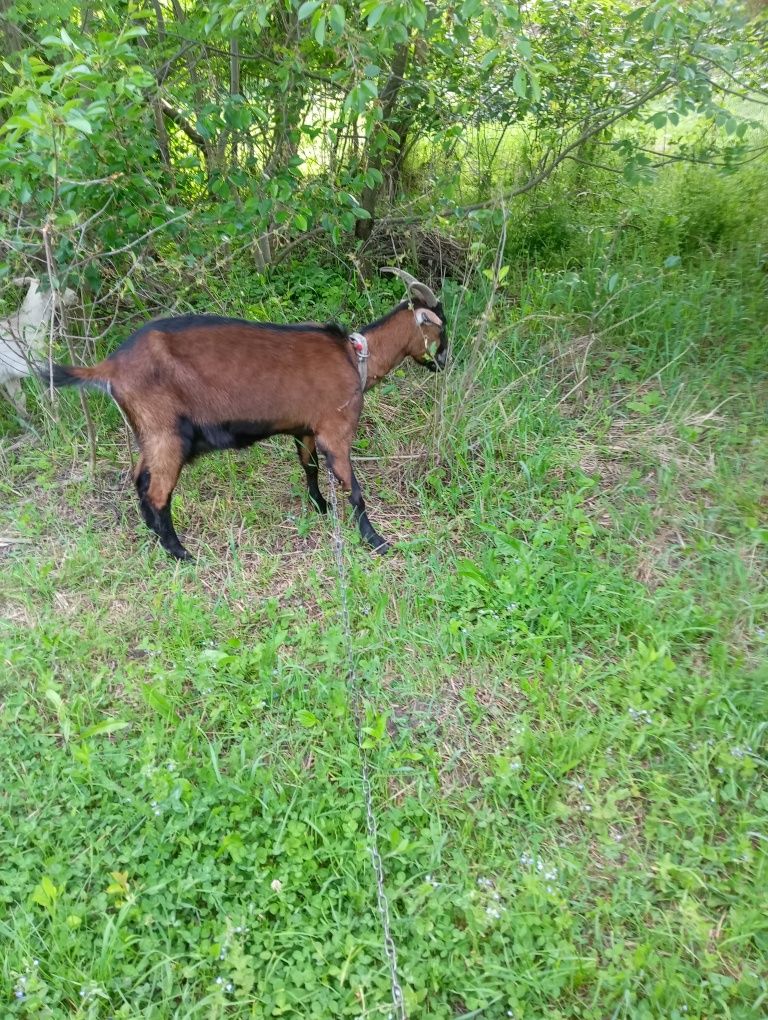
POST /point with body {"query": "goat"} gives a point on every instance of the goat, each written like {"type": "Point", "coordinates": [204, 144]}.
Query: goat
{"type": "Point", "coordinates": [197, 383]}
{"type": "Point", "coordinates": [23, 334]}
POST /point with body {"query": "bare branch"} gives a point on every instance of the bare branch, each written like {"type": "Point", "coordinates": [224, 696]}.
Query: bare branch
{"type": "Point", "coordinates": [181, 122]}
{"type": "Point", "coordinates": [257, 57]}
{"type": "Point", "coordinates": [132, 244]}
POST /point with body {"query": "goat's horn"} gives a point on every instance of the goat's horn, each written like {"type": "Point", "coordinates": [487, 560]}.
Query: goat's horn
{"type": "Point", "coordinates": [416, 287]}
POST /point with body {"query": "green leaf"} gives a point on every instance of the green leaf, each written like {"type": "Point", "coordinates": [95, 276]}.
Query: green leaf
{"type": "Point", "coordinates": [308, 8]}
{"type": "Point", "coordinates": [46, 893]}
{"type": "Point", "coordinates": [524, 48]}
{"type": "Point", "coordinates": [488, 59]}
{"type": "Point", "coordinates": [489, 25]}
{"type": "Point", "coordinates": [307, 719]}
{"type": "Point", "coordinates": [376, 14]}
{"type": "Point", "coordinates": [520, 82]}
{"type": "Point", "coordinates": [468, 570]}
{"type": "Point", "coordinates": [104, 727]}
{"type": "Point", "coordinates": [337, 18]}
{"type": "Point", "coordinates": [77, 120]}
{"type": "Point", "coordinates": [320, 31]}
{"type": "Point", "coordinates": [461, 32]}
{"type": "Point", "coordinates": [671, 261]}
{"type": "Point", "coordinates": [159, 702]}
{"type": "Point", "coordinates": [300, 221]}
{"type": "Point", "coordinates": [55, 699]}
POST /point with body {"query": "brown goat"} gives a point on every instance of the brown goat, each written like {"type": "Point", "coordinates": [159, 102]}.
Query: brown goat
{"type": "Point", "coordinates": [196, 383]}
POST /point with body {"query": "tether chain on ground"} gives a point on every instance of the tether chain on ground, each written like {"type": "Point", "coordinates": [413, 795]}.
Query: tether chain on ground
{"type": "Point", "coordinates": [357, 710]}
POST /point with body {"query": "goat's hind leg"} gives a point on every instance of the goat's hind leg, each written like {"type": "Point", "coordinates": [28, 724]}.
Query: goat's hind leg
{"type": "Point", "coordinates": [307, 451]}
{"type": "Point", "coordinates": [156, 475]}
{"type": "Point", "coordinates": [341, 465]}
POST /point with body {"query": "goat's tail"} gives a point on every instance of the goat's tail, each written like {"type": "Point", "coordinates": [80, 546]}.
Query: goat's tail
{"type": "Point", "coordinates": [74, 375]}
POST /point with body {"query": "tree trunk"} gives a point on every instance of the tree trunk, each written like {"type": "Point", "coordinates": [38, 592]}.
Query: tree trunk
{"type": "Point", "coordinates": [234, 85]}
{"type": "Point", "coordinates": [161, 131]}
{"type": "Point", "coordinates": [381, 159]}
{"type": "Point", "coordinates": [401, 151]}
{"type": "Point", "coordinates": [11, 38]}
{"type": "Point", "coordinates": [208, 147]}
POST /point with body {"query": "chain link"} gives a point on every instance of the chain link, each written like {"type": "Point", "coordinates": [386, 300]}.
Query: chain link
{"type": "Point", "coordinates": [358, 712]}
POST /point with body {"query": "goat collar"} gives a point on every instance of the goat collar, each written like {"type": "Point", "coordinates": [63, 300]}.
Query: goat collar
{"type": "Point", "coordinates": [360, 344]}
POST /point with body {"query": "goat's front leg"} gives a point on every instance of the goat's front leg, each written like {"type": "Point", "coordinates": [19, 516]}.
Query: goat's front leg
{"type": "Point", "coordinates": [340, 463]}
{"type": "Point", "coordinates": [307, 451]}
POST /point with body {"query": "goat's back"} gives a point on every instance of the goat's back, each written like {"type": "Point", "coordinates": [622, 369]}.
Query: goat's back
{"type": "Point", "coordinates": [213, 369]}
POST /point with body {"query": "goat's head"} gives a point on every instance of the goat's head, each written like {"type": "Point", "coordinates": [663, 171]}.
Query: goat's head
{"type": "Point", "coordinates": [430, 337]}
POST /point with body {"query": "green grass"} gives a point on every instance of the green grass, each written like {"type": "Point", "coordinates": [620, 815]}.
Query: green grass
{"type": "Point", "coordinates": [564, 666]}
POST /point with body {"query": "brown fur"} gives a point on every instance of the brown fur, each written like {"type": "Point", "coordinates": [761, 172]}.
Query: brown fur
{"type": "Point", "coordinates": [198, 384]}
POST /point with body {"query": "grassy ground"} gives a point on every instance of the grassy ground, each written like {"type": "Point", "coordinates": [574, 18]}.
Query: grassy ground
{"type": "Point", "coordinates": [564, 665]}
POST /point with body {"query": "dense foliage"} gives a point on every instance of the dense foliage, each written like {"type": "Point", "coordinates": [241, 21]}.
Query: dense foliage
{"type": "Point", "coordinates": [254, 123]}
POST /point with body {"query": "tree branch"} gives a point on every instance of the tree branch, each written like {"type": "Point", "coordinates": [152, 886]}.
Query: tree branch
{"type": "Point", "coordinates": [181, 122]}
{"type": "Point", "coordinates": [256, 57]}
{"type": "Point", "coordinates": [131, 244]}
{"type": "Point", "coordinates": [547, 169]}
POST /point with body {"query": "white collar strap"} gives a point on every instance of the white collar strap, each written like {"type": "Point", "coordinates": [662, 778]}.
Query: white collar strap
{"type": "Point", "coordinates": [360, 344]}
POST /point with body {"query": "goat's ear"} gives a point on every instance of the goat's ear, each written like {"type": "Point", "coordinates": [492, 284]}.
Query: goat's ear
{"type": "Point", "coordinates": [427, 315]}
{"type": "Point", "coordinates": [23, 281]}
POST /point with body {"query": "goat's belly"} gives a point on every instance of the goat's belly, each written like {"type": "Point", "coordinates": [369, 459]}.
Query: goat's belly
{"type": "Point", "coordinates": [199, 438]}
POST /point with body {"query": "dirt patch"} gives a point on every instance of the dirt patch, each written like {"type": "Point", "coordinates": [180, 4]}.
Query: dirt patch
{"type": "Point", "coordinates": [611, 471]}
{"type": "Point", "coordinates": [17, 615]}
{"type": "Point", "coordinates": [659, 557]}
{"type": "Point", "coordinates": [466, 721]}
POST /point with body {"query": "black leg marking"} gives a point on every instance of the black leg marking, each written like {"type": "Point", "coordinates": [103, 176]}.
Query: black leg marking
{"type": "Point", "coordinates": [159, 521]}
{"type": "Point", "coordinates": [368, 532]}
{"type": "Point", "coordinates": [147, 513]}
{"type": "Point", "coordinates": [308, 457]}
{"type": "Point", "coordinates": [341, 466]}
{"type": "Point", "coordinates": [167, 534]}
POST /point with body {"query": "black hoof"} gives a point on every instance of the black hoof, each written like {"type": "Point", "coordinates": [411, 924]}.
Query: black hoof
{"type": "Point", "coordinates": [179, 553]}
{"type": "Point", "coordinates": [381, 547]}
{"type": "Point", "coordinates": [321, 507]}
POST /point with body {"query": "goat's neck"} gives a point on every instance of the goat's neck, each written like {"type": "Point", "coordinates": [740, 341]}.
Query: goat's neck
{"type": "Point", "coordinates": [388, 343]}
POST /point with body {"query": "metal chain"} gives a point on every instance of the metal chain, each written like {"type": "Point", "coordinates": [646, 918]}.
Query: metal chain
{"type": "Point", "coordinates": [357, 710]}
